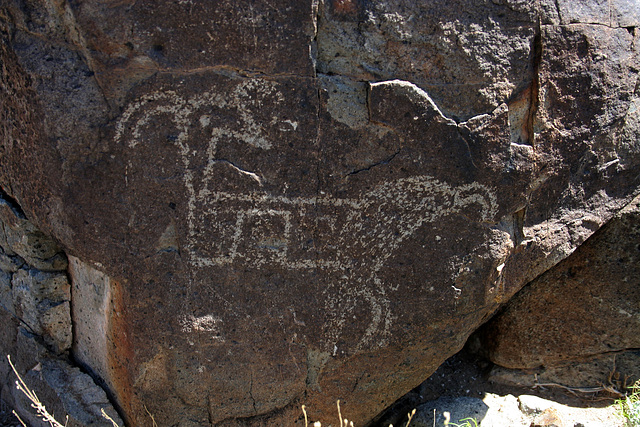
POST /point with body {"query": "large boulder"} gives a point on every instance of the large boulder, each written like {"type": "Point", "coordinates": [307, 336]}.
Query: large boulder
{"type": "Point", "coordinates": [586, 306]}
{"type": "Point", "coordinates": [286, 202]}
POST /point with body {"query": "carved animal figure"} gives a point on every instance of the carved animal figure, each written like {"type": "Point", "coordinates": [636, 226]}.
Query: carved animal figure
{"type": "Point", "coordinates": [349, 238]}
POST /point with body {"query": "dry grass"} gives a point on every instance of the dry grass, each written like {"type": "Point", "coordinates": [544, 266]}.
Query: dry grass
{"type": "Point", "coordinates": [345, 422]}
{"type": "Point", "coordinates": [41, 411]}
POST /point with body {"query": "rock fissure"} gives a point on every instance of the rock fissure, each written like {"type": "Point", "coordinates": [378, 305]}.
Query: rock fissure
{"type": "Point", "coordinates": [466, 143]}
{"type": "Point", "coordinates": [534, 101]}
{"type": "Point", "coordinates": [519, 222]}
{"type": "Point", "coordinates": [98, 381]}
{"type": "Point", "coordinates": [313, 45]}
{"type": "Point", "coordinates": [12, 204]}
{"type": "Point", "coordinates": [319, 152]}
{"type": "Point", "coordinates": [557, 5]}
{"type": "Point", "coordinates": [595, 24]}
{"type": "Point", "coordinates": [226, 71]}
{"type": "Point", "coordinates": [380, 163]}
{"type": "Point", "coordinates": [30, 330]}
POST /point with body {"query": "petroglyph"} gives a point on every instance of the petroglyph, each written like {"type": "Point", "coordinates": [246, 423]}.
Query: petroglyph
{"type": "Point", "coordinates": [207, 323]}
{"type": "Point", "coordinates": [350, 239]}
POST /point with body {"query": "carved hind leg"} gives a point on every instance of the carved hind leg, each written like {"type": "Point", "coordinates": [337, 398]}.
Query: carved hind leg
{"type": "Point", "coordinates": [343, 301]}
{"type": "Point", "coordinates": [376, 334]}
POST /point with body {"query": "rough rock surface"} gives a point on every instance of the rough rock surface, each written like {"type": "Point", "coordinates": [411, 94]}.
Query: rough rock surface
{"type": "Point", "coordinates": [39, 299]}
{"type": "Point", "coordinates": [293, 202]}
{"type": "Point", "coordinates": [36, 327]}
{"type": "Point", "coordinates": [602, 376]}
{"type": "Point", "coordinates": [588, 305]}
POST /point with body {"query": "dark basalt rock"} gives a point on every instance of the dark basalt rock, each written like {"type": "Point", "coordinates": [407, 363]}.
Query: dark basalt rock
{"type": "Point", "coordinates": [586, 306]}
{"type": "Point", "coordinates": [290, 202]}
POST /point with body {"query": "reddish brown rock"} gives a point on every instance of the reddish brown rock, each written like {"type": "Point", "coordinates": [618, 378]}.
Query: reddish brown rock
{"type": "Point", "coordinates": [585, 306]}
{"type": "Point", "coordinates": [291, 202]}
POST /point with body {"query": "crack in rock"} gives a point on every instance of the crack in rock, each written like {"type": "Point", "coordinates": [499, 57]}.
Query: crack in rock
{"type": "Point", "coordinates": [381, 162]}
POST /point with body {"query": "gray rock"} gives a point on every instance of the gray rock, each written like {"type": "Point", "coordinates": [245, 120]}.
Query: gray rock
{"type": "Point", "coordinates": [523, 411]}
{"type": "Point", "coordinates": [469, 57]}
{"type": "Point", "coordinates": [23, 238]}
{"type": "Point", "coordinates": [41, 301]}
{"type": "Point", "coordinates": [82, 399]}
{"type": "Point", "coordinates": [617, 13]}
{"type": "Point", "coordinates": [8, 263]}
{"type": "Point", "coordinates": [596, 375]}
{"type": "Point", "coordinates": [69, 395]}
{"type": "Point", "coordinates": [92, 293]}
{"type": "Point", "coordinates": [490, 411]}
{"type": "Point", "coordinates": [625, 13]}
{"type": "Point", "coordinates": [347, 100]}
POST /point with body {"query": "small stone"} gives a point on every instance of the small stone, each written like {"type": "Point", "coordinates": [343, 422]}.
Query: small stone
{"type": "Point", "coordinates": [532, 405]}
{"type": "Point", "coordinates": [548, 418]}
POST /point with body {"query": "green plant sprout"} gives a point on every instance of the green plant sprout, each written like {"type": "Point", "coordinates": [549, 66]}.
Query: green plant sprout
{"type": "Point", "coordinates": [630, 406]}
{"type": "Point", "coordinates": [466, 422]}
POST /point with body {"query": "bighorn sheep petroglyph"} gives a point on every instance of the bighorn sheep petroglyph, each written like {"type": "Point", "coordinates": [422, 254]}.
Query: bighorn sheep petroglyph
{"type": "Point", "coordinates": [351, 238]}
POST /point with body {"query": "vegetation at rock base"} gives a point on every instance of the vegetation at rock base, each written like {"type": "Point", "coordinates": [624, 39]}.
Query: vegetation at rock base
{"type": "Point", "coordinates": [630, 406]}
{"type": "Point", "coordinates": [41, 411]}
{"type": "Point", "coordinates": [467, 422]}
{"type": "Point", "coordinates": [343, 422]}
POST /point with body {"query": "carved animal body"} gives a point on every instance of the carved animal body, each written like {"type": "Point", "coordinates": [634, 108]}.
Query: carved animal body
{"type": "Point", "coordinates": [358, 237]}
{"type": "Point", "coordinates": [350, 238]}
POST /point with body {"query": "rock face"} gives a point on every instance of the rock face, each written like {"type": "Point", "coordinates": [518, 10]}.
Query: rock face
{"type": "Point", "coordinates": [586, 306]}
{"type": "Point", "coordinates": [288, 202]}
{"type": "Point", "coordinates": [36, 326]}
